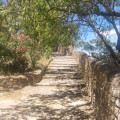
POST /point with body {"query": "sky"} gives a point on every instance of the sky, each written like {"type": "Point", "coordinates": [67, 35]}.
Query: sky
{"type": "Point", "coordinates": [111, 35]}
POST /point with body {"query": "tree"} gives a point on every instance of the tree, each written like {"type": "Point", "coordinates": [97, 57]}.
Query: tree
{"type": "Point", "coordinates": [85, 10]}
{"type": "Point", "coordinates": [44, 29]}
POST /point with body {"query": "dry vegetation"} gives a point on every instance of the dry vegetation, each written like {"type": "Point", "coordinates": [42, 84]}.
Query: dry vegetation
{"type": "Point", "coordinates": [18, 81]}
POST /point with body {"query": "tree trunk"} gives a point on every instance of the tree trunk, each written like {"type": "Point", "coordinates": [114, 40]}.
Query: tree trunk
{"type": "Point", "coordinates": [104, 41]}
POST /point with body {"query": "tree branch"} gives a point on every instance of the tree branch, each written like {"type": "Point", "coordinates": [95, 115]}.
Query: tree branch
{"type": "Point", "coordinates": [114, 25]}
{"type": "Point", "coordinates": [105, 6]}
{"type": "Point", "coordinates": [112, 13]}
{"type": "Point", "coordinates": [103, 40]}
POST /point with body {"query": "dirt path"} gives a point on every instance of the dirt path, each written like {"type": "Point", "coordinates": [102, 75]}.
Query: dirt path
{"type": "Point", "coordinates": [57, 97]}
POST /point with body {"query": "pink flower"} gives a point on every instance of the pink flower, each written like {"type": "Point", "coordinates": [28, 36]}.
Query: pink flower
{"type": "Point", "coordinates": [25, 49]}
{"type": "Point", "coordinates": [11, 51]}
{"type": "Point", "coordinates": [22, 36]}
{"type": "Point", "coordinates": [18, 41]}
{"type": "Point", "coordinates": [20, 58]}
{"type": "Point", "coordinates": [20, 48]}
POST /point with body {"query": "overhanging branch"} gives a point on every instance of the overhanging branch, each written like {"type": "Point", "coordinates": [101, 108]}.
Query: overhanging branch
{"type": "Point", "coordinates": [112, 13]}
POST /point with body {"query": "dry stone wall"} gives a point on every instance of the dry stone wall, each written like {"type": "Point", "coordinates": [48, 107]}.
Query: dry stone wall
{"type": "Point", "coordinates": [103, 85]}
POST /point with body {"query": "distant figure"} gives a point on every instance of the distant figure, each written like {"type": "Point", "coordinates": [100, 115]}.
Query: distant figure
{"type": "Point", "coordinates": [67, 51]}
{"type": "Point", "coordinates": [61, 49]}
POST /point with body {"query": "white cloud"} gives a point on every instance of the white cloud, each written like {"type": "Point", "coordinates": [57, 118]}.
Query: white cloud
{"type": "Point", "coordinates": [118, 26]}
{"type": "Point", "coordinates": [105, 33]}
{"type": "Point", "coordinates": [112, 32]}
{"type": "Point", "coordinates": [111, 35]}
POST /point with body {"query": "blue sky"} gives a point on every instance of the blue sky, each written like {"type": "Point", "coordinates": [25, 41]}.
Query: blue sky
{"type": "Point", "coordinates": [111, 35]}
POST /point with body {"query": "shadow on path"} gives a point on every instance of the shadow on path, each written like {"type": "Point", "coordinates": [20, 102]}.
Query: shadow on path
{"type": "Point", "coordinates": [63, 104]}
{"type": "Point", "coordinates": [59, 96]}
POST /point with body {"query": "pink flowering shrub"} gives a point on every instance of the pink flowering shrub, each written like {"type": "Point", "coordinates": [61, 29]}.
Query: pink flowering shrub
{"type": "Point", "coordinates": [19, 52]}
{"type": "Point", "coordinates": [18, 47]}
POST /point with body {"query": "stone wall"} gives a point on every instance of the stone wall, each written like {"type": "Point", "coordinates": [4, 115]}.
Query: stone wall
{"type": "Point", "coordinates": [103, 84]}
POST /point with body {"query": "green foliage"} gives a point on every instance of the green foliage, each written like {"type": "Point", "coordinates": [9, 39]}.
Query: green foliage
{"type": "Point", "coordinates": [31, 29]}
{"type": "Point", "coordinates": [97, 49]}
{"type": "Point", "coordinates": [87, 46]}
{"type": "Point", "coordinates": [19, 65]}
{"type": "Point", "coordinates": [48, 51]}
{"type": "Point", "coordinates": [13, 54]}
{"type": "Point", "coordinates": [5, 54]}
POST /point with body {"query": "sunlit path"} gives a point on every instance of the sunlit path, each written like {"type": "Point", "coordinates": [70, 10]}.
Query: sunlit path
{"type": "Point", "coordinates": [58, 96]}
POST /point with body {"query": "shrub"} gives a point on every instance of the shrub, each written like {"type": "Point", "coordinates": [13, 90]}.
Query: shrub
{"type": "Point", "coordinates": [13, 54]}
{"type": "Point", "coordinates": [48, 51]}
{"type": "Point", "coordinates": [19, 52]}
{"type": "Point", "coordinates": [20, 65]}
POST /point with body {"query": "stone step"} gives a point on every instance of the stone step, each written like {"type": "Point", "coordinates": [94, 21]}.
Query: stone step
{"type": "Point", "coordinates": [63, 69]}
{"type": "Point", "coordinates": [62, 72]}
{"type": "Point", "coordinates": [63, 76]}
{"type": "Point", "coordinates": [68, 82]}
{"type": "Point", "coordinates": [63, 65]}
